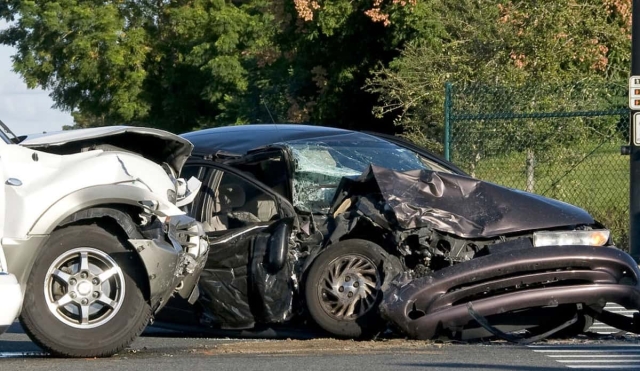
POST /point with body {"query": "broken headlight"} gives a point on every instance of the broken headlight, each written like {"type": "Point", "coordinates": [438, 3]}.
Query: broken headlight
{"type": "Point", "coordinates": [597, 237]}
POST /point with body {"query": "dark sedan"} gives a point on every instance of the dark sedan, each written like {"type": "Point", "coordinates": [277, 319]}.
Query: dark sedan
{"type": "Point", "coordinates": [357, 230]}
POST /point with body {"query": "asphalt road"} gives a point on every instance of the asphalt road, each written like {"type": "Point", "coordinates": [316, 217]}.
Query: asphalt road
{"type": "Point", "coordinates": [165, 350]}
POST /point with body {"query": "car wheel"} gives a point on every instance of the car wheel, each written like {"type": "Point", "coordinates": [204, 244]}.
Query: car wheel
{"type": "Point", "coordinates": [84, 295]}
{"type": "Point", "coordinates": [344, 287]}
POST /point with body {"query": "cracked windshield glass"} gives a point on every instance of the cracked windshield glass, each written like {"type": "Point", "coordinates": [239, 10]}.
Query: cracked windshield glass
{"type": "Point", "coordinates": [319, 166]}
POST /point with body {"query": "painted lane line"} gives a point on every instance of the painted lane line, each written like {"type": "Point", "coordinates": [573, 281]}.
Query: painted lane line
{"type": "Point", "coordinates": [635, 361]}
{"type": "Point", "coordinates": [593, 355]}
{"type": "Point", "coordinates": [587, 351]}
{"type": "Point", "coordinates": [623, 356]}
{"type": "Point", "coordinates": [611, 367]}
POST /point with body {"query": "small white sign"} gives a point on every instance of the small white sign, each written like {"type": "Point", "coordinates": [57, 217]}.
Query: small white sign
{"type": "Point", "coordinates": [634, 93]}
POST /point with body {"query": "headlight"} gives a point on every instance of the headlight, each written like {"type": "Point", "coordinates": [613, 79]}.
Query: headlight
{"type": "Point", "coordinates": [565, 238]}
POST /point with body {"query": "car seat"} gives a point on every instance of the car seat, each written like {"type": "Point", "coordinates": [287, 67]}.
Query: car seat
{"type": "Point", "coordinates": [264, 205]}
{"type": "Point", "coordinates": [227, 197]}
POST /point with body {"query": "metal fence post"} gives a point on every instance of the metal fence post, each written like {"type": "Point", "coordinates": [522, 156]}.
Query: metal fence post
{"type": "Point", "coordinates": [634, 196]}
{"type": "Point", "coordinates": [447, 118]}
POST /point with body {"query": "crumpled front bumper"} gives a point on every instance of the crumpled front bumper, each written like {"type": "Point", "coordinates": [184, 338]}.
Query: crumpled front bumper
{"type": "Point", "coordinates": [504, 282]}
{"type": "Point", "coordinates": [174, 259]}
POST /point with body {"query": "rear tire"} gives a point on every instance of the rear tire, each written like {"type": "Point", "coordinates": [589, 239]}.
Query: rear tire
{"type": "Point", "coordinates": [344, 287]}
{"type": "Point", "coordinates": [84, 295]}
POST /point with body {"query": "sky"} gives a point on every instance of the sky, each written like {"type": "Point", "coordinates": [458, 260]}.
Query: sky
{"type": "Point", "coordinates": [24, 110]}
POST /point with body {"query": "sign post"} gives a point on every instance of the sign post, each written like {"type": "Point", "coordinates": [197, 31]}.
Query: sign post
{"type": "Point", "coordinates": [634, 137]}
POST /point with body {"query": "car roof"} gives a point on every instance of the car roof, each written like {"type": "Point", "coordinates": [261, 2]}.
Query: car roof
{"type": "Point", "coordinates": [242, 138]}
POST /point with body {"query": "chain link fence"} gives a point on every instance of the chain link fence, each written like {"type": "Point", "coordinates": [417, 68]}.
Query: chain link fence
{"type": "Point", "coordinates": [560, 141]}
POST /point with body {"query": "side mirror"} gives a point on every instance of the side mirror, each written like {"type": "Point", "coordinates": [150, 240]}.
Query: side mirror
{"type": "Point", "coordinates": [278, 246]}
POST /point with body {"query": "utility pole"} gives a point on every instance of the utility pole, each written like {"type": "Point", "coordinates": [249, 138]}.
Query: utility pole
{"type": "Point", "coordinates": [634, 137]}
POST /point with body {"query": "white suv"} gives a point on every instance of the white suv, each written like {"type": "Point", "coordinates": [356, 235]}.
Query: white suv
{"type": "Point", "coordinates": [93, 232]}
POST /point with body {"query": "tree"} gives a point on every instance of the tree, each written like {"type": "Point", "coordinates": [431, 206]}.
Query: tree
{"type": "Point", "coordinates": [185, 64]}
{"type": "Point", "coordinates": [170, 64]}
{"type": "Point", "coordinates": [327, 50]}
{"type": "Point", "coordinates": [503, 42]}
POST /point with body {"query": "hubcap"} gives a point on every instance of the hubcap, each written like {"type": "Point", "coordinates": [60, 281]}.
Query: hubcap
{"type": "Point", "coordinates": [84, 288]}
{"type": "Point", "coordinates": [349, 287]}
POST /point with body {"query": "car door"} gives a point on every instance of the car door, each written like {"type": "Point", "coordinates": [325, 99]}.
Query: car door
{"type": "Point", "coordinates": [246, 279]}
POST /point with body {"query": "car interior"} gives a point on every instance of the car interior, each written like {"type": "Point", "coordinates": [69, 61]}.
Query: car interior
{"type": "Point", "coordinates": [230, 201]}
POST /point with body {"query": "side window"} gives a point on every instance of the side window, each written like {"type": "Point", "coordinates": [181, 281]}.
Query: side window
{"type": "Point", "coordinates": [432, 165]}
{"type": "Point", "coordinates": [234, 203]}
{"type": "Point", "coordinates": [189, 170]}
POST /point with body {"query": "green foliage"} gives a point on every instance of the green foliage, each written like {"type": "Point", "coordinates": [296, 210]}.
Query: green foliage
{"type": "Point", "coordinates": [184, 64]}
{"type": "Point", "coordinates": [504, 43]}
{"type": "Point", "coordinates": [170, 64]}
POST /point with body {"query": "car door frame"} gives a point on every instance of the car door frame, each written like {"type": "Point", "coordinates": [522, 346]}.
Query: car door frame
{"type": "Point", "coordinates": [284, 205]}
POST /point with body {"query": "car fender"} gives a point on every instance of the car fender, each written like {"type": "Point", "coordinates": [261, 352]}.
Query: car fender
{"type": "Point", "coordinates": [21, 252]}
{"type": "Point", "coordinates": [110, 194]}
{"type": "Point", "coordinates": [41, 180]}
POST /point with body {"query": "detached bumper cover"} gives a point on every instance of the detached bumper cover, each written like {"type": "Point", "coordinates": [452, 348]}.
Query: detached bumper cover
{"type": "Point", "coordinates": [508, 281]}
{"type": "Point", "coordinates": [11, 297]}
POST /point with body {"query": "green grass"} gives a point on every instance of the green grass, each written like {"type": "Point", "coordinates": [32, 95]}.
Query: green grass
{"type": "Point", "coordinates": [593, 177]}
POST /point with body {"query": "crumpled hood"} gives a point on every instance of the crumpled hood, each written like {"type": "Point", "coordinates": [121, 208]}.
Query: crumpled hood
{"type": "Point", "coordinates": [154, 144]}
{"type": "Point", "coordinates": [463, 206]}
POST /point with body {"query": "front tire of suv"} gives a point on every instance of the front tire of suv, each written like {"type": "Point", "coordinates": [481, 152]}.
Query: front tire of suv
{"type": "Point", "coordinates": [344, 287]}
{"type": "Point", "coordinates": [84, 295]}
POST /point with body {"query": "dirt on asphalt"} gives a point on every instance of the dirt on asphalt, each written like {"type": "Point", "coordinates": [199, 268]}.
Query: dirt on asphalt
{"type": "Point", "coordinates": [320, 347]}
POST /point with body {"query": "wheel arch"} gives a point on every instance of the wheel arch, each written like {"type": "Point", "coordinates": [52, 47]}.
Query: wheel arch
{"type": "Point", "coordinates": [117, 218]}
{"type": "Point", "coordinates": [87, 198]}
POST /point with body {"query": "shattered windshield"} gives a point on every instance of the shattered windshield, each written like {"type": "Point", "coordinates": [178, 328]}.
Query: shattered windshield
{"type": "Point", "coordinates": [319, 166]}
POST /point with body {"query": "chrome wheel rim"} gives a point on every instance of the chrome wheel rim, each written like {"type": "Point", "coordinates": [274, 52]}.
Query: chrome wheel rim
{"type": "Point", "coordinates": [349, 287]}
{"type": "Point", "coordinates": [84, 288]}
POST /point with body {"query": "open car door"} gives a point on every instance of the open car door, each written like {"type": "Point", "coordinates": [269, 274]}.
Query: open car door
{"type": "Point", "coordinates": [247, 277]}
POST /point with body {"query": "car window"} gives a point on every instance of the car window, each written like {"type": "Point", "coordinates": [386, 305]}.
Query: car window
{"type": "Point", "coordinates": [227, 201]}
{"type": "Point", "coordinates": [430, 164]}
{"type": "Point", "coordinates": [319, 167]}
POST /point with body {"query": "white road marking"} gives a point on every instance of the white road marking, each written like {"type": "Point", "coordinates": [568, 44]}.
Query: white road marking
{"type": "Point", "coordinates": [601, 328]}
{"type": "Point", "coordinates": [580, 356]}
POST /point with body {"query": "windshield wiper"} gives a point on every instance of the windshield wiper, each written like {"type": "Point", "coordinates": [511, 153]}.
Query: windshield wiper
{"type": "Point", "coordinates": [6, 129]}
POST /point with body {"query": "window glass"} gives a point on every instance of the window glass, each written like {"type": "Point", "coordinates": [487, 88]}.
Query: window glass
{"type": "Point", "coordinates": [319, 166]}
{"type": "Point", "coordinates": [236, 203]}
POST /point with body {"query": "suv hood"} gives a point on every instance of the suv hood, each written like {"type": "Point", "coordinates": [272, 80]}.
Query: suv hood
{"type": "Point", "coordinates": [156, 145]}
{"type": "Point", "coordinates": [459, 205]}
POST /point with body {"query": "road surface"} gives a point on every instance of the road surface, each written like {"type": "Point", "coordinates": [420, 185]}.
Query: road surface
{"type": "Point", "coordinates": [166, 350]}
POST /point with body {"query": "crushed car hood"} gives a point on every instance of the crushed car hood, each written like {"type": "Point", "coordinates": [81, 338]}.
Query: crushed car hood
{"type": "Point", "coordinates": [154, 144]}
{"type": "Point", "coordinates": [460, 205]}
